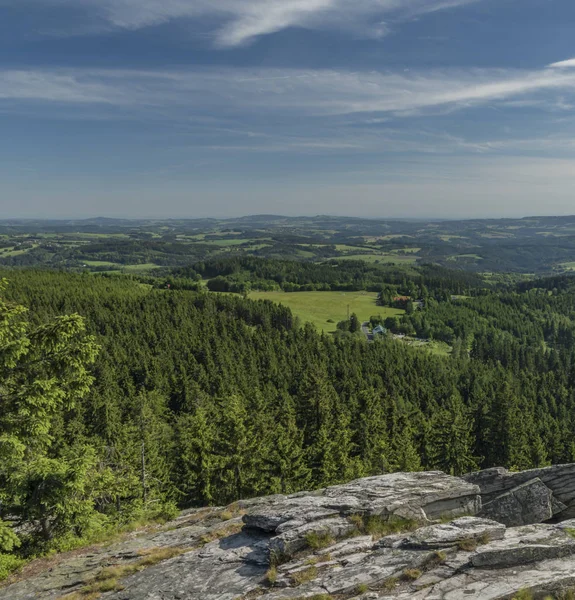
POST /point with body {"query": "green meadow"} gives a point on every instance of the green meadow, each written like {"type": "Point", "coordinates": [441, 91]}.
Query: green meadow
{"type": "Point", "coordinates": [319, 307]}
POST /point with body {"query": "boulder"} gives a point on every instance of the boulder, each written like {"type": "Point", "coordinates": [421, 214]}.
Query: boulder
{"type": "Point", "coordinates": [421, 497]}
{"type": "Point", "coordinates": [531, 502]}
{"type": "Point", "coordinates": [560, 479]}
{"type": "Point", "coordinates": [296, 538]}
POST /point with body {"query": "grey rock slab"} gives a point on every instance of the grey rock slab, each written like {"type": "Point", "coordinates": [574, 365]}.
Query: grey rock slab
{"type": "Point", "coordinates": [454, 532]}
{"type": "Point", "coordinates": [298, 592]}
{"type": "Point", "coordinates": [419, 496]}
{"type": "Point", "coordinates": [374, 569]}
{"type": "Point", "coordinates": [294, 540]}
{"type": "Point", "coordinates": [403, 494]}
{"type": "Point", "coordinates": [525, 545]}
{"type": "Point", "coordinates": [542, 578]}
{"type": "Point", "coordinates": [530, 502]}
{"type": "Point", "coordinates": [354, 545]}
{"type": "Point", "coordinates": [240, 547]}
{"type": "Point", "coordinates": [189, 577]}
{"type": "Point", "coordinates": [271, 517]}
{"type": "Point", "coordinates": [560, 479]}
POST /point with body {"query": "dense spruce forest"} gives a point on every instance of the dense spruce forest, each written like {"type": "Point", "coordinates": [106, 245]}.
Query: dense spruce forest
{"type": "Point", "coordinates": [124, 399]}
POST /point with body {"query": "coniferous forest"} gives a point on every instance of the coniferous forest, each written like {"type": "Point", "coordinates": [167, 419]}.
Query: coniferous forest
{"type": "Point", "coordinates": [124, 399]}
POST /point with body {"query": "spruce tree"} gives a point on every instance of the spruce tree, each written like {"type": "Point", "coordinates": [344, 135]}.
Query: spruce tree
{"type": "Point", "coordinates": [451, 443]}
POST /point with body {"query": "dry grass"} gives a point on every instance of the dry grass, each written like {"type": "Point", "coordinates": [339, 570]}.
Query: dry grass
{"type": "Point", "coordinates": [435, 559]}
{"type": "Point", "coordinates": [304, 576]}
{"type": "Point", "coordinates": [314, 560]}
{"type": "Point", "coordinates": [278, 558]}
{"type": "Point", "coordinates": [317, 540]}
{"type": "Point", "coordinates": [379, 527]}
{"type": "Point", "coordinates": [272, 575]}
{"type": "Point", "coordinates": [390, 584]}
{"type": "Point", "coordinates": [107, 578]}
{"type": "Point", "coordinates": [412, 574]}
{"type": "Point", "coordinates": [468, 545]}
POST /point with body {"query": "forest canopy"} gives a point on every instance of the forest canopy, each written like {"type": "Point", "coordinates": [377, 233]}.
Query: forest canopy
{"type": "Point", "coordinates": [123, 400]}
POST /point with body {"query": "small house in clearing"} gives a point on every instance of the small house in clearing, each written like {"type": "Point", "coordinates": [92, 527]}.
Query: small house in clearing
{"type": "Point", "coordinates": [379, 330]}
{"type": "Point", "coordinates": [401, 301]}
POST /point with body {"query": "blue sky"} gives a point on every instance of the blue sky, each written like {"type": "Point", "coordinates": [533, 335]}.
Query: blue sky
{"type": "Point", "coordinates": [377, 108]}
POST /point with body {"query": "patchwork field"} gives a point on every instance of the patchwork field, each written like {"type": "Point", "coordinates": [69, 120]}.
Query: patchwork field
{"type": "Point", "coordinates": [381, 258]}
{"type": "Point", "coordinates": [319, 307]}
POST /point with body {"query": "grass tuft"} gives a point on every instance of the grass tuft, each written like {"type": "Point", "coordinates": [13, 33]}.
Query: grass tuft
{"type": "Point", "coordinates": [304, 576]}
{"type": "Point", "coordinates": [278, 558]}
{"type": "Point", "coordinates": [483, 539]}
{"type": "Point", "coordinates": [412, 574]}
{"type": "Point", "coordinates": [317, 540]}
{"type": "Point", "coordinates": [523, 595]}
{"type": "Point", "coordinates": [272, 575]}
{"type": "Point", "coordinates": [468, 545]}
{"type": "Point", "coordinates": [390, 584]}
{"type": "Point", "coordinates": [379, 527]}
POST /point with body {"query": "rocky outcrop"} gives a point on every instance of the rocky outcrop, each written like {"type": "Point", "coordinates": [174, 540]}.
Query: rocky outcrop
{"type": "Point", "coordinates": [531, 502]}
{"type": "Point", "coordinates": [560, 479]}
{"type": "Point", "coordinates": [418, 536]}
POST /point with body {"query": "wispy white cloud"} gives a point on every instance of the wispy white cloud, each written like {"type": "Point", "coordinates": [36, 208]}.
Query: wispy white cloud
{"type": "Point", "coordinates": [304, 111]}
{"type": "Point", "coordinates": [290, 91]}
{"type": "Point", "coordinates": [50, 86]}
{"type": "Point", "coordinates": [241, 21]}
{"type": "Point", "coordinates": [564, 64]}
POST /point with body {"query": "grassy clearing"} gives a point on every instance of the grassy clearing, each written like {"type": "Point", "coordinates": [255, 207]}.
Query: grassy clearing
{"type": "Point", "coordinates": [381, 258]}
{"type": "Point", "coordinates": [100, 263]}
{"type": "Point", "coordinates": [406, 250]}
{"type": "Point", "coordinates": [346, 248]}
{"type": "Point", "coordinates": [232, 242]}
{"type": "Point", "coordinates": [439, 348]}
{"type": "Point", "coordinates": [464, 256]}
{"type": "Point", "coordinates": [318, 307]}
{"type": "Point", "coordinates": [121, 267]}
{"type": "Point", "coordinates": [6, 252]}
{"type": "Point", "coordinates": [144, 267]}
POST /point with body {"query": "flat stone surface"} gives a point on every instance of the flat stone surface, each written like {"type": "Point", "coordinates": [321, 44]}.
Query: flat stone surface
{"type": "Point", "coordinates": [525, 545]}
{"type": "Point", "coordinates": [450, 534]}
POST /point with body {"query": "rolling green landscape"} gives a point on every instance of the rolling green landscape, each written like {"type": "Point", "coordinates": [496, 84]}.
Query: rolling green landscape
{"type": "Point", "coordinates": [530, 246]}
{"type": "Point", "coordinates": [152, 367]}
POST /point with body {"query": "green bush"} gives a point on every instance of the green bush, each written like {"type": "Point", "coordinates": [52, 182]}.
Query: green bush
{"type": "Point", "coordinates": [8, 564]}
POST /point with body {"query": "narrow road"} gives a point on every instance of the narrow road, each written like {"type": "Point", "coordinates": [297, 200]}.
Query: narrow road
{"type": "Point", "coordinates": [365, 327]}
